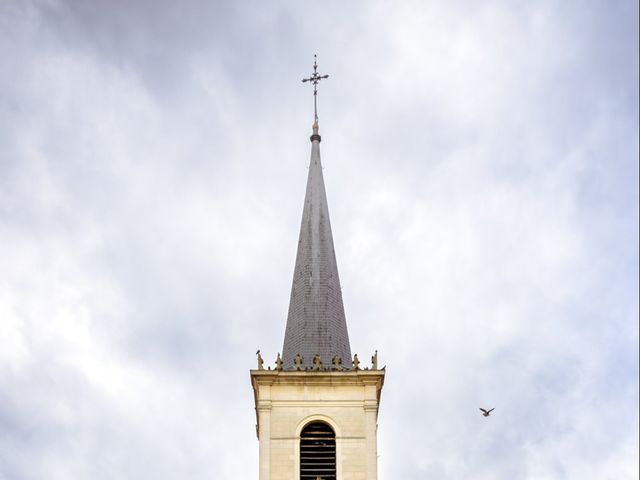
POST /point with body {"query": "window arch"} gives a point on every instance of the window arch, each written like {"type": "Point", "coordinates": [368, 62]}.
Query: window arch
{"type": "Point", "coordinates": [317, 452]}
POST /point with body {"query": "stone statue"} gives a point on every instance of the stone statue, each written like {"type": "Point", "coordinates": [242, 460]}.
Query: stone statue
{"type": "Point", "coordinates": [317, 363]}
{"type": "Point", "coordinates": [374, 361]}
{"type": "Point", "coordinates": [337, 363]}
{"type": "Point", "coordinates": [297, 362]}
{"type": "Point", "coordinates": [260, 361]}
{"type": "Point", "coordinates": [356, 362]}
{"type": "Point", "coordinates": [278, 362]}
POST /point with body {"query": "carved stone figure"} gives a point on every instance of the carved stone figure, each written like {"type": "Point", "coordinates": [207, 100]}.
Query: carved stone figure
{"type": "Point", "coordinates": [297, 362]}
{"type": "Point", "coordinates": [278, 362]}
{"type": "Point", "coordinates": [260, 361]}
{"type": "Point", "coordinates": [374, 361]}
{"type": "Point", "coordinates": [317, 363]}
{"type": "Point", "coordinates": [356, 362]}
{"type": "Point", "coordinates": [337, 362]}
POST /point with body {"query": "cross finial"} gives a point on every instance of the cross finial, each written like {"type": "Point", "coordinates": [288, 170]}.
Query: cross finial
{"type": "Point", "coordinates": [314, 79]}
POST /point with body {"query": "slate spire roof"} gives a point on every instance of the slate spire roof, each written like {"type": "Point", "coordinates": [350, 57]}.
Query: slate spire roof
{"type": "Point", "coordinates": [316, 323]}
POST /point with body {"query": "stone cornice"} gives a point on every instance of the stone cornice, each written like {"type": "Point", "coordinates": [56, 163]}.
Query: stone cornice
{"type": "Point", "coordinates": [334, 378]}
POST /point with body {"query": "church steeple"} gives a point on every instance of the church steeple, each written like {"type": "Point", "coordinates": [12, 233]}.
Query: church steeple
{"type": "Point", "coordinates": [317, 410]}
{"type": "Point", "coordinates": [316, 323]}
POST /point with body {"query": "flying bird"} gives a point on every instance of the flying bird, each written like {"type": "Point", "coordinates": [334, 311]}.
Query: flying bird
{"type": "Point", "coordinates": [486, 413]}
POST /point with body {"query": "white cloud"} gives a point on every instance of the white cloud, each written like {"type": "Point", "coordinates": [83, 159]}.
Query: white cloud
{"type": "Point", "coordinates": [481, 167]}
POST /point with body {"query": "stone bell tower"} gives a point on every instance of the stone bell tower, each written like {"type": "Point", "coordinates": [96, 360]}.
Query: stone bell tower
{"type": "Point", "coordinates": [317, 408]}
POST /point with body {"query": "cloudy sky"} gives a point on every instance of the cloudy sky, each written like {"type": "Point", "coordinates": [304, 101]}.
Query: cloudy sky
{"type": "Point", "coordinates": [481, 164]}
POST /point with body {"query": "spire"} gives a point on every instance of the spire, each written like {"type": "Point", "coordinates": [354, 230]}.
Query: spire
{"type": "Point", "coordinates": [316, 323]}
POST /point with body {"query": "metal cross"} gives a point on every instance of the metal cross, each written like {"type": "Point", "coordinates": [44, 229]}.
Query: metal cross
{"type": "Point", "coordinates": [314, 79]}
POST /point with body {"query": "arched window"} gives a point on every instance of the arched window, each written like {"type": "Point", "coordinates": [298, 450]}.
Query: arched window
{"type": "Point", "coordinates": [317, 452]}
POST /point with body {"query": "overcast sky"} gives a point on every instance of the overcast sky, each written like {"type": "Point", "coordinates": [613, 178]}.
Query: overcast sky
{"type": "Point", "coordinates": [481, 165]}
